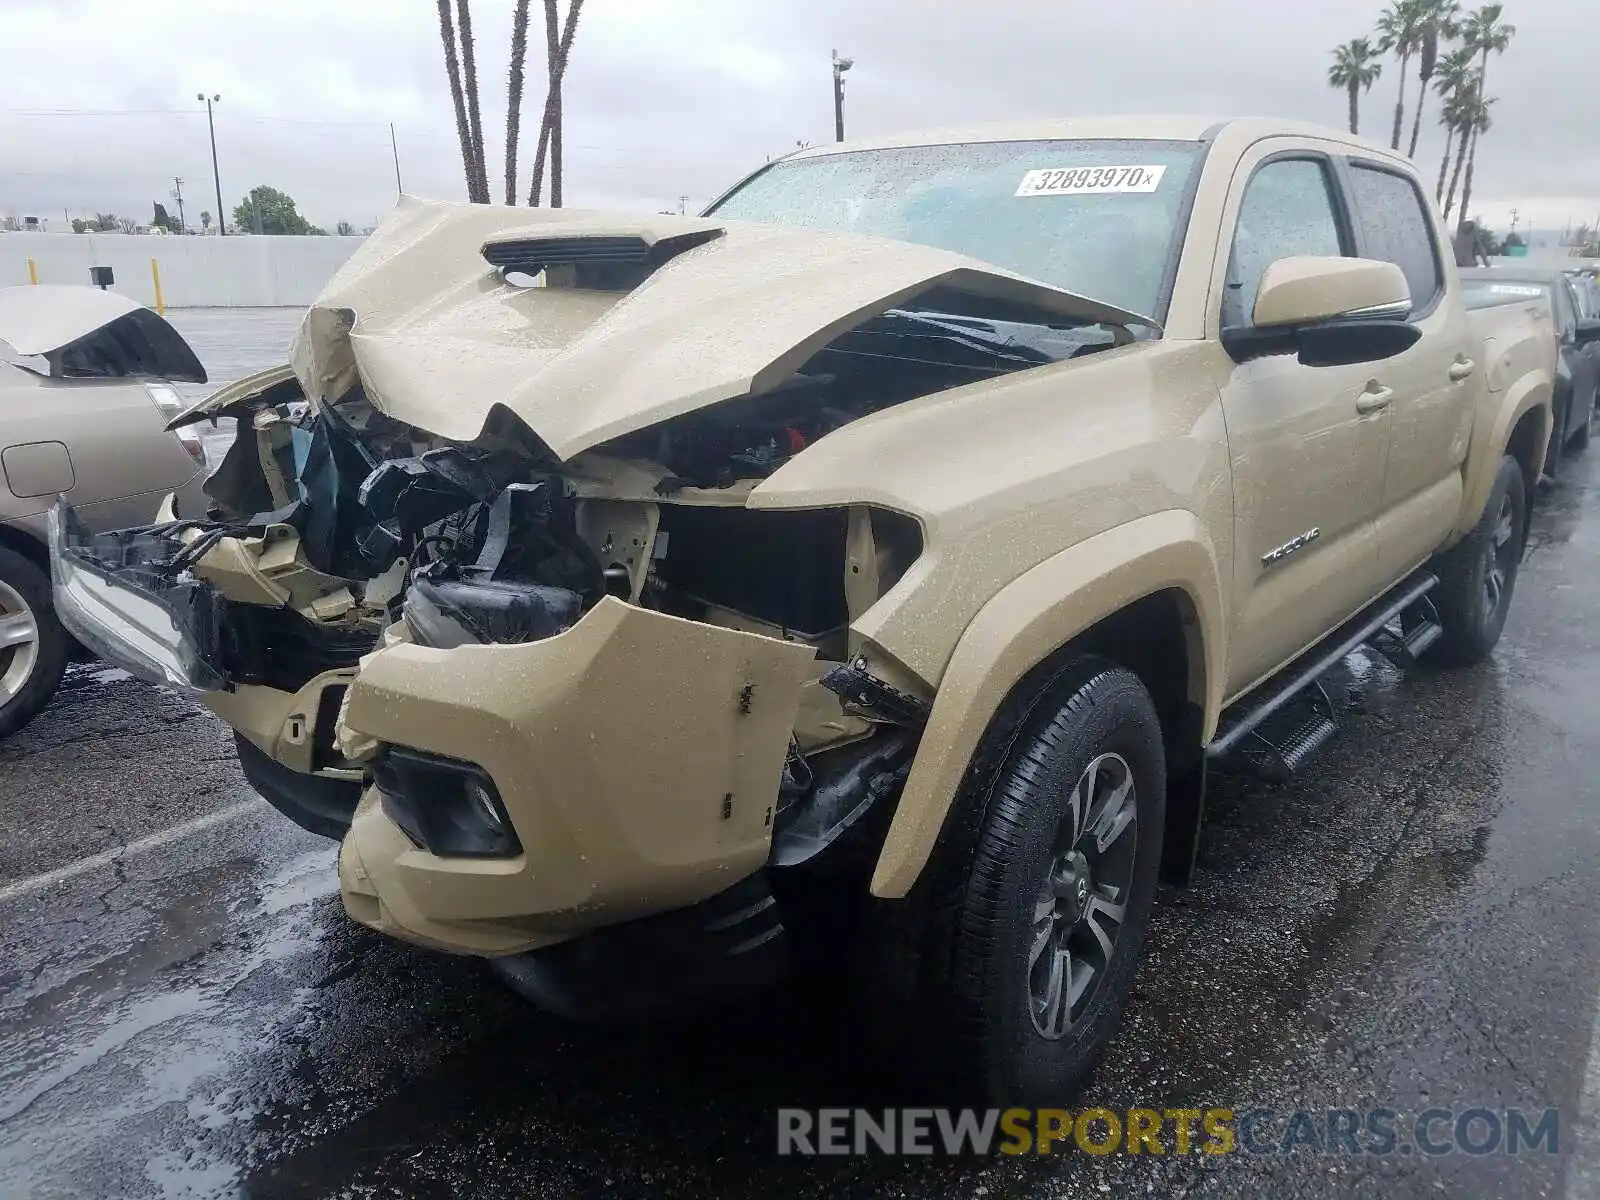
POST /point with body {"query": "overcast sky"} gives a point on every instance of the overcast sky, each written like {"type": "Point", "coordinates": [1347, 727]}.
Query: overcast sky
{"type": "Point", "coordinates": [663, 99]}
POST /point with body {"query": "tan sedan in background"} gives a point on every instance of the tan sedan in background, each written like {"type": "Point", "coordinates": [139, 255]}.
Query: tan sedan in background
{"type": "Point", "coordinates": [85, 394]}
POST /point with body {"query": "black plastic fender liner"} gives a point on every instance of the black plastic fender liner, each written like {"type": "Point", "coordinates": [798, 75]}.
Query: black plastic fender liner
{"type": "Point", "coordinates": [674, 964]}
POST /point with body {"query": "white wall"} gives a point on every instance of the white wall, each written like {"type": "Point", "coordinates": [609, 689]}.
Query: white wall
{"type": "Point", "coordinates": [196, 272]}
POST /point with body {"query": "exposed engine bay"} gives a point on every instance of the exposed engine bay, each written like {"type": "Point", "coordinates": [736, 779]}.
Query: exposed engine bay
{"type": "Point", "coordinates": [332, 526]}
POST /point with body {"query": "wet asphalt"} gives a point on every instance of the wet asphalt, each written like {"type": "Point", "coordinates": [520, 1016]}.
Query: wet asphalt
{"type": "Point", "coordinates": [1414, 921]}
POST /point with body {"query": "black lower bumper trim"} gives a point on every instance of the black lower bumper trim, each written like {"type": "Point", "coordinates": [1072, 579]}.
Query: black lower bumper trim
{"type": "Point", "coordinates": [314, 802]}
{"type": "Point", "coordinates": [722, 949]}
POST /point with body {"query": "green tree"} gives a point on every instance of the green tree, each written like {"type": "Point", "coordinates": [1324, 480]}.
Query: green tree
{"type": "Point", "coordinates": [79, 225]}
{"type": "Point", "coordinates": [344, 229]}
{"type": "Point", "coordinates": [105, 223]}
{"type": "Point", "coordinates": [1439, 20]}
{"type": "Point", "coordinates": [1485, 32]}
{"type": "Point", "coordinates": [267, 210]}
{"type": "Point", "coordinates": [1355, 69]}
{"type": "Point", "coordinates": [1400, 34]}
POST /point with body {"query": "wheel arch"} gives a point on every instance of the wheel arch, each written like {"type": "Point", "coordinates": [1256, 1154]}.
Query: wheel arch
{"type": "Point", "coordinates": [1145, 595]}
{"type": "Point", "coordinates": [1520, 425]}
{"type": "Point", "coordinates": [26, 544]}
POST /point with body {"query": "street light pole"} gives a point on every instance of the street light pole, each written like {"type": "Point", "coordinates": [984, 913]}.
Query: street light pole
{"type": "Point", "coordinates": [216, 177]}
{"type": "Point", "coordinates": [394, 146]}
{"type": "Point", "coordinates": [840, 66]}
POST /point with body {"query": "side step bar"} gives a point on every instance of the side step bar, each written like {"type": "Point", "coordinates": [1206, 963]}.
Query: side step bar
{"type": "Point", "coordinates": [1282, 739]}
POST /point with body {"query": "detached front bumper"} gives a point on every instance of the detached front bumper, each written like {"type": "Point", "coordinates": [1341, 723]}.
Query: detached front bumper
{"type": "Point", "coordinates": [637, 757]}
{"type": "Point", "coordinates": [110, 594]}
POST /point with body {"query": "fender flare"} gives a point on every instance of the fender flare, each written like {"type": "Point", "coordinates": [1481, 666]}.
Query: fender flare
{"type": "Point", "coordinates": [1533, 390]}
{"type": "Point", "coordinates": [1028, 620]}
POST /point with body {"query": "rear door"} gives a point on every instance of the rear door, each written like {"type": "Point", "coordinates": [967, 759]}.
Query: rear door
{"type": "Point", "coordinates": [1308, 452]}
{"type": "Point", "coordinates": [1432, 384]}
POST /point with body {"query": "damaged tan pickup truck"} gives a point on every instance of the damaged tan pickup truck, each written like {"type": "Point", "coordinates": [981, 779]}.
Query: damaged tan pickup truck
{"type": "Point", "coordinates": [917, 524]}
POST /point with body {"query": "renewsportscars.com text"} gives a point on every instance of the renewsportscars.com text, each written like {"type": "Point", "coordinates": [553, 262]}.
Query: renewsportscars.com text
{"type": "Point", "coordinates": [1473, 1130]}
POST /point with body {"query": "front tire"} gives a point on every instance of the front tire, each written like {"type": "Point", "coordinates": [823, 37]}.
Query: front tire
{"type": "Point", "coordinates": [33, 646]}
{"type": "Point", "coordinates": [1479, 573]}
{"type": "Point", "coordinates": [1026, 928]}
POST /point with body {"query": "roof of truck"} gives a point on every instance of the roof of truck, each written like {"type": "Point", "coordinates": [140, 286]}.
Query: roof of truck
{"type": "Point", "coordinates": [1179, 128]}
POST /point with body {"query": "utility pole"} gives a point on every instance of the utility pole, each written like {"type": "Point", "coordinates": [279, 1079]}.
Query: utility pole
{"type": "Point", "coordinates": [394, 146]}
{"type": "Point", "coordinates": [840, 66]}
{"type": "Point", "coordinates": [216, 177]}
{"type": "Point", "coordinates": [177, 194]}
{"type": "Point", "coordinates": [683, 204]}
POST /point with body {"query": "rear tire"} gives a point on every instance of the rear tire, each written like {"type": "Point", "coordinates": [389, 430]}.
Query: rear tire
{"type": "Point", "coordinates": [1010, 963]}
{"type": "Point", "coordinates": [33, 646]}
{"type": "Point", "coordinates": [1478, 575]}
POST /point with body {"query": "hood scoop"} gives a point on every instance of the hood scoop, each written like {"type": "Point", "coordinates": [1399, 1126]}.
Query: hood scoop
{"type": "Point", "coordinates": [601, 262]}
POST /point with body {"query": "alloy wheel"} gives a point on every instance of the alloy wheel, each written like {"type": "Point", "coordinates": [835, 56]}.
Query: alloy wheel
{"type": "Point", "coordinates": [19, 643]}
{"type": "Point", "coordinates": [1080, 911]}
{"type": "Point", "coordinates": [1500, 557]}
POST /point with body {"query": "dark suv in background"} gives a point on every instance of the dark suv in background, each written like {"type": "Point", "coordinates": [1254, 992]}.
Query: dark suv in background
{"type": "Point", "coordinates": [1575, 301]}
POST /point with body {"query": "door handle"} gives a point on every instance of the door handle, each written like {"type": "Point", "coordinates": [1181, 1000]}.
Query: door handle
{"type": "Point", "coordinates": [1461, 368]}
{"type": "Point", "coordinates": [1375, 396]}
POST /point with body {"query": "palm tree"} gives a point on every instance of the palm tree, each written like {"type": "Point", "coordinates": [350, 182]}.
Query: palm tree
{"type": "Point", "coordinates": [1478, 122]}
{"type": "Point", "coordinates": [469, 81]}
{"type": "Point", "coordinates": [1484, 32]}
{"type": "Point", "coordinates": [1438, 20]}
{"type": "Point", "coordinates": [519, 56]}
{"type": "Point", "coordinates": [452, 66]}
{"type": "Point", "coordinates": [1456, 75]}
{"type": "Point", "coordinates": [1461, 113]}
{"type": "Point", "coordinates": [558, 50]}
{"type": "Point", "coordinates": [1400, 34]}
{"type": "Point", "coordinates": [1355, 69]}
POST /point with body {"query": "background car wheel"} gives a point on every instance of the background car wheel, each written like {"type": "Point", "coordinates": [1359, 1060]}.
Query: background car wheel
{"type": "Point", "coordinates": [33, 646]}
{"type": "Point", "coordinates": [1014, 954]}
{"type": "Point", "coordinates": [1585, 431]}
{"type": "Point", "coordinates": [1479, 573]}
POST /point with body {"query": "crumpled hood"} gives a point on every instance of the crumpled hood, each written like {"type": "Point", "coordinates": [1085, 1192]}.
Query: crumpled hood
{"type": "Point", "coordinates": [438, 338]}
{"type": "Point", "coordinates": [89, 332]}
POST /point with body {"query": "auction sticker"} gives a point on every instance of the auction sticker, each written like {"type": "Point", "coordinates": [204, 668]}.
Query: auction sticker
{"type": "Point", "coordinates": [1090, 181]}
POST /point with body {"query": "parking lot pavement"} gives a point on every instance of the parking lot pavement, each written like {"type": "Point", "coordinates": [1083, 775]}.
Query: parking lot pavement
{"type": "Point", "coordinates": [232, 343]}
{"type": "Point", "coordinates": [1414, 922]}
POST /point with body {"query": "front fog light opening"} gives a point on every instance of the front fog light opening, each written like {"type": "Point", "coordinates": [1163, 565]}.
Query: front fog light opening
{"type": "Point", "coordinates": [446, 807]}
{"type": "Point", "coordinates": [488, 808]}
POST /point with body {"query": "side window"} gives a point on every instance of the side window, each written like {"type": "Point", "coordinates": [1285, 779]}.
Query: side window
{"type": "Point", "coordinates": [1287, 210]}
{"type": "Point", "coordinates": [1395, 227]}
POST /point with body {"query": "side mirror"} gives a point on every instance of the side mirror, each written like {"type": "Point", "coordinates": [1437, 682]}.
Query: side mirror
{"type": "Point", "coordinates": [1304, 290]}
{"type": "Point", "coordinates": [1330, 311]}
{"type": "Point", "coordinates": [1587, 333]}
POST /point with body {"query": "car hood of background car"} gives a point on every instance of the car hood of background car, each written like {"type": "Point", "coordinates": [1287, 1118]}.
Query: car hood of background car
{"type": "Point", "coordinates": [426, 322]}
{"type": "Point", "coordinates": [85, 332]}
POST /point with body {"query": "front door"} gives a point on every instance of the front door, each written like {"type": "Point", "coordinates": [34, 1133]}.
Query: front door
{"type": "Point", "coordinates": [1308, 444]}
